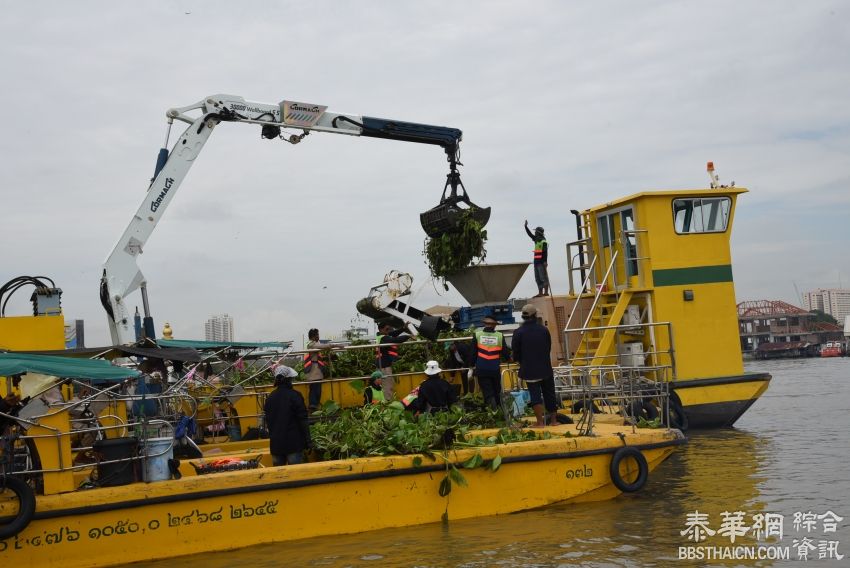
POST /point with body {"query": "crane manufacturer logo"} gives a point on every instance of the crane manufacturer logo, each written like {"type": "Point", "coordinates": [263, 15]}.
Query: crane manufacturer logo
{"type": "Point", "coordinates": [158, 201]}
{"type": "Point", "coordinates": [301, 114]}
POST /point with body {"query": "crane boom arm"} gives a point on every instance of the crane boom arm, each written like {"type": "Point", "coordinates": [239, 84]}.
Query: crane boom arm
{"type": "Point", "coordinates": [121, 273]}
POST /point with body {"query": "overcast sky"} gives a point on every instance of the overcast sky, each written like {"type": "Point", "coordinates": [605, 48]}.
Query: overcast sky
{"type": "Point", "coordinates": [563, 105]}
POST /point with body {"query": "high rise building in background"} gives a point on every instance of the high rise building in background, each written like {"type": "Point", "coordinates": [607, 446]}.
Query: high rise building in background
{"type": "Point", "coordinates": [219, 328]}
{"type": "Point", "coordinates": [832, 301]}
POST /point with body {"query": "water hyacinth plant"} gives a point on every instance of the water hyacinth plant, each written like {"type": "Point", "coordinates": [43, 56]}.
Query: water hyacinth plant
{"type": "Point", "coordinates": [454, 251]}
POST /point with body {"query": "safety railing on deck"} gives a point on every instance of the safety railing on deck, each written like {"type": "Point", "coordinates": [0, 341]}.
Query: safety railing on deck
{"type": "Point", "coordinates": [614, 389]}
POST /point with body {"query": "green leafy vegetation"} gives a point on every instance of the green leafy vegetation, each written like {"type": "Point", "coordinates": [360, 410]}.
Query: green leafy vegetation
{"type": "Point", "coordinates": [644, 423]}
{"type": "Point", "coordinates": [454, 251]}
{"type": "Point", "coordinates": [388, 429]}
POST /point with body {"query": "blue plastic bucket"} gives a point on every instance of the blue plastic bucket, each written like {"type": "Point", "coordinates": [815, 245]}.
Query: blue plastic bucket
{"type": "Point", "coordinates": [520, 398]}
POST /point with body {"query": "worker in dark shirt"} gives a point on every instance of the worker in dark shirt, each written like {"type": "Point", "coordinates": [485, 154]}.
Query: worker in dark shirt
{"type": "Point", "coordinates": [541, 260]}
{"type": "Point", "coordinates": [388, 355]}
{"type": "Point", "coordinates": [286, 418]}
{"type": "Point", "coordinates": [435, 394]}
{"type": "Point", "coordinates": [532, 346]}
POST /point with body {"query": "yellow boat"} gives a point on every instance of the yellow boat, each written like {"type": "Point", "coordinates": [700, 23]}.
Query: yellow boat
{"type": "Point", "coordinates": [68, 526]}
{"type": "Point", "coordinates": [651, 289]}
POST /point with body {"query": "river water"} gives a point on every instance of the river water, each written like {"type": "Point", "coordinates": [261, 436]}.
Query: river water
{"type": "Point", "coordinates": [788, 455]}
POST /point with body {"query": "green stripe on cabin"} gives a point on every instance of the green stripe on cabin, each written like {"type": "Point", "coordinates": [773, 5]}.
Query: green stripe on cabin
{"type": "Point", "coordinates": [692, 275]}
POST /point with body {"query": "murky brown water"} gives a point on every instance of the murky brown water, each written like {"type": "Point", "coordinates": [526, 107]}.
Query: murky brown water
{"type": "Point", "coordinates": [790, 453]}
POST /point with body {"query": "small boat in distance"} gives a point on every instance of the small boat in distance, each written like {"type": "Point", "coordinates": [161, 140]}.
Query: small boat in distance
{"type": "Point", "coordinates": [832, 349]}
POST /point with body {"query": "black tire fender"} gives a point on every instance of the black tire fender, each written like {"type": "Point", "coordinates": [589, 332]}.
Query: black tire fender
{"type": "Point", "coordinates": [678, 418]}
{"type": "Point", "coordinates": [579, 406]}
{"type": "Point", "coordinates": [26, 509]}
{"type": "Point", "coordinates": [643, 409]}
{"type": "Point", "coordinates": [643, 469]}
{"type": "Point", "coordinates": [563, 419]}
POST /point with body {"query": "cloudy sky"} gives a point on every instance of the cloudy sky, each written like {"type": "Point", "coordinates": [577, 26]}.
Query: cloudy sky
{"type": "Point", "coordinates": [563, 105]}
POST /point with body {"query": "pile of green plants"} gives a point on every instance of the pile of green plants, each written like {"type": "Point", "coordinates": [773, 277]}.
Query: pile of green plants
{"type": "Point", "coordinates": [353, 362]}
{"type": "Point", "coordinates": [389, 429]}
{"type": "Point", "coordinates": [411, 357]}
{"type": "Point", "coordinates": [252, 374]}
{"type": "Point", "coordinates": [454, 251]}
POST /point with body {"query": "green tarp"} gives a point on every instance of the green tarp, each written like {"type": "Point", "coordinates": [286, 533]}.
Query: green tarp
{"type": "Point", "coordinates": [191, 344]}
{"type": "Point", "coordinates": [65, 367]}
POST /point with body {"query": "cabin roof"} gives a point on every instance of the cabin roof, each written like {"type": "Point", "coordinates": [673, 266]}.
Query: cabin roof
{"type": "Point", "coordinates": [708, 192]}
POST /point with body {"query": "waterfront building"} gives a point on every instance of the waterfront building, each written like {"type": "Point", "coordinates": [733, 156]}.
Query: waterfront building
{"type": "Point", "coordinates": [773, 328]}
{"type": "Point", "coordinates": [219, 328]}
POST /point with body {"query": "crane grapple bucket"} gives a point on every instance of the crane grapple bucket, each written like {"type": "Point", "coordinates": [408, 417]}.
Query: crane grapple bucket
{"type": "Point", "coordinates": [446, 217]}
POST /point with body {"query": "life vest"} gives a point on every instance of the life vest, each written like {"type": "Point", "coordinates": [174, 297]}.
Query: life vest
{"type": "Point", "coordinates": [538, 251]}
{"type": "Point", "coordinates": [414, 394]}
{"type": "Point", "coordinates": [377, 395]}
{"type": "Point", "coordinates": [389, 350]}
{"type": "Point", "coordinates": [489, 345]}
{"type": "Point", "coordinates": [308, 362]}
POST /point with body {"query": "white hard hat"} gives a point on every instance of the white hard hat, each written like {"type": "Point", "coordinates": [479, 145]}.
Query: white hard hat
{"type": "Point", "coordinates": [432, 368]}
{"type": "Point", "coordinates": [284, 371]}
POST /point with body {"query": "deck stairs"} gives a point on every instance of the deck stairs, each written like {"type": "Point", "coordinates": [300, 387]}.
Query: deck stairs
{"type": "Point", "coordinates": [601, 323]}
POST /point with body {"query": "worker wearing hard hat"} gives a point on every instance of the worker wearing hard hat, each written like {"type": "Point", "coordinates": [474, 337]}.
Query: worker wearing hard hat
{"type": "Point", "coordinates": [435, 394]}
{"type": "Point", "coordinates": [490, 350]}
{"type": "Point", "coordinates": [286, 418]}
{"type": "Point", "coordinates": [541, 260]}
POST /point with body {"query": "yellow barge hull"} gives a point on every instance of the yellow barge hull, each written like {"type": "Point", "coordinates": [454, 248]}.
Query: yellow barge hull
{"type": "Point", "coordinates": [718, 402]}
{"type": "Point", "coordinates": [222, 511]}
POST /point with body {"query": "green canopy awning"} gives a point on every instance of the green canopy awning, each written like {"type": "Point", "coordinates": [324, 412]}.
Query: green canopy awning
{"type": "Point", "coordinates": [65, 367]}
{"type": "Point", "coordinates": [192, 344]}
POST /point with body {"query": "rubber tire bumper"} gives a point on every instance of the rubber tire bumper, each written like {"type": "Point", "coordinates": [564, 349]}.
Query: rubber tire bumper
{"type": "Point", "coordinates": [579, 405]}
{"type": "Point", "coordinates": [643, 469]}
{"type": "Point", "coordinates": [643, 409]}
{"type": "Point", "coordinates": [26, 509]}
{"type": "Point", "coordinates": [678, 418]}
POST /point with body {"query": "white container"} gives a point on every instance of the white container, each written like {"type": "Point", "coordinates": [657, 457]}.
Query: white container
{"type": "Point", "coordinates": [157, 453]}
{"type": "Point", "coordinates": [632, 315]}
{"type": "Point", "coordinates": [631, 354]}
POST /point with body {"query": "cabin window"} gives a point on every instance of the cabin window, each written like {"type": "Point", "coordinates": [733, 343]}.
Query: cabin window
{"type": "Point", "coordinates": [701, 215]}
{"type": "Point", "coordinates": [606, 230]}
{"type": "Point", "coordinates": [627, 221]}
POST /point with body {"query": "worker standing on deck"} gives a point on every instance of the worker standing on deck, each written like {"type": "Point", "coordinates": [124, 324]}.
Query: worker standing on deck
{"type": "Point", "coordinates": [541, 260]}
{"type": "Point", "coordinates": [286, 419]}
{"type": "Point", "coordinates": [388, 355]}
{"type": "Point", "coordinates": [315, 369]}
{"type": "Point", "coordinates": [490, 350]}
{"type": "Point", "coordinates": [532, 346]}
